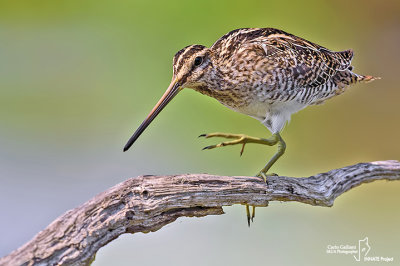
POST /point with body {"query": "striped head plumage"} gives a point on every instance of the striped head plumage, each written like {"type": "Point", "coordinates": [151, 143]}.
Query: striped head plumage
{"type": "Point", "coordinates": [193, 66]}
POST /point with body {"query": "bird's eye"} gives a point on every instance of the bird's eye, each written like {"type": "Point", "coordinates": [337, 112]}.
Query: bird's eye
{"type": "Point", "coordinates": [198, 60]}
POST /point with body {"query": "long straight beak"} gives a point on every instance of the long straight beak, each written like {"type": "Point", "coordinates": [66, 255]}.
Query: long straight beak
{"type": "Point", "coordinates": [170, 93]}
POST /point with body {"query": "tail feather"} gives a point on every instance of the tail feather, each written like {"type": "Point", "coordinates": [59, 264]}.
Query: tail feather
{"type": "Point", "coordinates": [346, 55]}
{"type": "Point", "coordinates": [344, 59]}
{"type": "Point", "coordinates": [366, 78]}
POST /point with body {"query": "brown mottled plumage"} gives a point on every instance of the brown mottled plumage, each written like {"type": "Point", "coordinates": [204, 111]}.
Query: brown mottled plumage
{"type": "Point", "coordinates": [265, 73]}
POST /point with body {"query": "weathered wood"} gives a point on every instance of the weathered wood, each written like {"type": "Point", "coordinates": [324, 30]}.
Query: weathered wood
{"type": "Point", "coordinates": [147, 203]}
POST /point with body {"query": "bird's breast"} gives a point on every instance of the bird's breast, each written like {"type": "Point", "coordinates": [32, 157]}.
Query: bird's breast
{"type": "Point", "coordinates": [253, 108]}
{"type": "Point", "coordinates": [273, 115]}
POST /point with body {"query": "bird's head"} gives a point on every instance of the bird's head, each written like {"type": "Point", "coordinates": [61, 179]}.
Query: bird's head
{"type": "Point", "coordinates": [191, 67]}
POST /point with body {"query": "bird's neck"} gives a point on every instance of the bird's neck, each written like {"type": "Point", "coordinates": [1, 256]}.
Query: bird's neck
{"type": "Point", "coordinates": [221, 89]}
{"type": "Point", "coordinates": [211, 83]}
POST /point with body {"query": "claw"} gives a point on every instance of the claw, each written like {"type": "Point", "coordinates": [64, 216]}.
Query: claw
{"type": "Point", "coordinates": [202, 135]}
{"type": "Point", "coordinates": [253, 214]}
{"type": "Point", "coordinates": [248, 215]}
{"type": "Point", "coordinates": [263, 176]}
{"type": "Point", "coordinates": [207, 148]}
{"type": "Point", "coordinates": [242, 150]}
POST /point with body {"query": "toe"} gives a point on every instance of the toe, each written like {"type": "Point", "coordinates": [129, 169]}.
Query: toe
{"type": "Point", "coordinates": [209, 147]}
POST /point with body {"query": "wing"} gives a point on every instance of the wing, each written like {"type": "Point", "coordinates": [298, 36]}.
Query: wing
{"type": "Point", "coordinates": [304, 64]}
{"type": "Point", "coordinates": [284, 62]}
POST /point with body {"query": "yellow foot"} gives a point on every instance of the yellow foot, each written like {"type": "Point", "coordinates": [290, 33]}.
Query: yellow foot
{"type": "Point", "coordinates": [264, 176]}
{"type": "Point", "coordinates": [238, 139]}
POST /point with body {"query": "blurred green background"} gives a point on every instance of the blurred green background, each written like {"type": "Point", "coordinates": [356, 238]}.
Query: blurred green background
{"type": "Point", "coordinates": [78, 77]}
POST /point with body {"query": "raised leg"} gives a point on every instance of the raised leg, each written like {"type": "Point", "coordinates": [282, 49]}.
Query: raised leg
{"type": "Point", "coordinates": [244, 139]}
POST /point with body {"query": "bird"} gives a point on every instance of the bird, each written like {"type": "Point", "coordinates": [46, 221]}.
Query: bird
{"type": "Point", "coordinates": [265, 73]}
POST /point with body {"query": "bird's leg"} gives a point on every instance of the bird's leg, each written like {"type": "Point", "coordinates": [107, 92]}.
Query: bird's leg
{"type": "Point", "coordinates": [244, 139]}
{"type": "Point", "coordinates": [239, 139]}
{"type": "Point", "coordinates": [277, 155]}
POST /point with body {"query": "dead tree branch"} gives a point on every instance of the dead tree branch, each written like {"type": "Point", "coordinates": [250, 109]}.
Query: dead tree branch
{"type": "Point", "coordinates": [147, 203]}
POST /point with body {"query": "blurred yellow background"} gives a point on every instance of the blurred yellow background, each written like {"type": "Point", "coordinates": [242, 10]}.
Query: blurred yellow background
{"type": "Point", "coordinates": [78, 77]}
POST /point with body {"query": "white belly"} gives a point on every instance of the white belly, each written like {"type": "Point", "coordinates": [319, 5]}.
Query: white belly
{"type": "Point", "coordinates": [274, 116]}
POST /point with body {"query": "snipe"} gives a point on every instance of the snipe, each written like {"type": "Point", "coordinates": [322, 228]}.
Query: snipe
{"type": "Point", "coordinates": [265, 73]}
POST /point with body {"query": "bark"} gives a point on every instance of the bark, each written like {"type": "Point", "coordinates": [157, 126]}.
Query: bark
{"type": "Point", "coordinates": [147, 203]}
